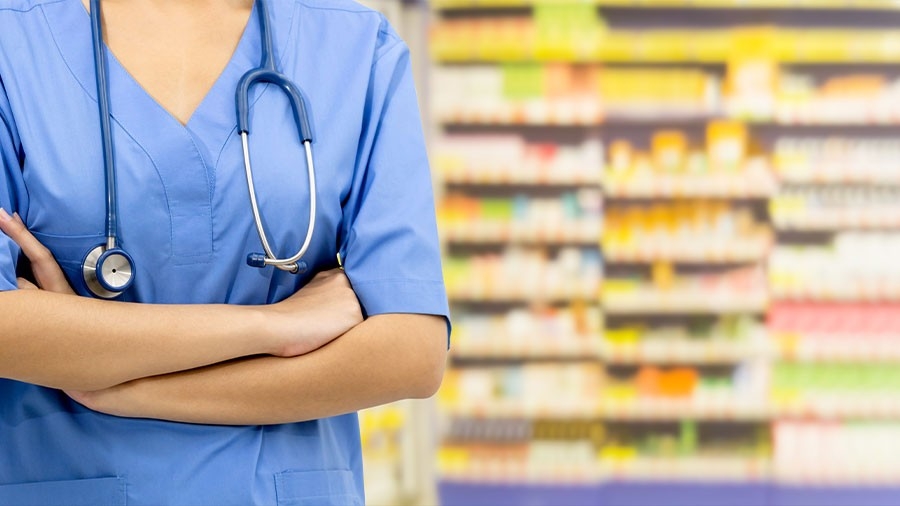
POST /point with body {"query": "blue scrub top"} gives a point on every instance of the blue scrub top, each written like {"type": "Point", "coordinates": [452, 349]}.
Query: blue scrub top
{"type": "Point", "coordinates": [185, 217]}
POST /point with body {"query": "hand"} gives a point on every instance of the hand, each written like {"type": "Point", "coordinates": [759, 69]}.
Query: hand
{"type": "Point", "coordinates": [318, 313]}
{"type": "Point", "coordinates": [46, 271]}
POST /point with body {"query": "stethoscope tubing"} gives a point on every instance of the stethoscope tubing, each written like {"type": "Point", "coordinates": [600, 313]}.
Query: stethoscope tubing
{"type": "Point", "coordinates": [287, 264]}
{"type": "Point", "coordinates": [267, 73]}
{"type": "Point", "coordinates": [112, 228]}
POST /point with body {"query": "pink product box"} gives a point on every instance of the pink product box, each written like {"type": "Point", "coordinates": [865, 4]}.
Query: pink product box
{"type": "Point", "coordinates": [824, 318]}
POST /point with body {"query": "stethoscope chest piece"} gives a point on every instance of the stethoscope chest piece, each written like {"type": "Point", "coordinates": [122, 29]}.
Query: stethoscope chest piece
{"type": "Point", "coordinates": [108, 271]}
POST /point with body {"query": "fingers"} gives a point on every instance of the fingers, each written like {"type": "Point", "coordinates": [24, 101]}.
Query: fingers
{"type": "Point", "coordinates": [24, 284]}
{"type": "Point", "coordinates": [46, 271]}
{"type": "Point", "coordinates": [13, 227]}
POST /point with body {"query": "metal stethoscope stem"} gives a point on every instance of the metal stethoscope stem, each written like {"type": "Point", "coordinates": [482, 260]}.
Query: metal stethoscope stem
{"type": "Point", "coordinates": [285, 264]}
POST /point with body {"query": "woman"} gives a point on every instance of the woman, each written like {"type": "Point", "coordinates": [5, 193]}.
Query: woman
{"type": "Point", "coordinates": [208, 381]}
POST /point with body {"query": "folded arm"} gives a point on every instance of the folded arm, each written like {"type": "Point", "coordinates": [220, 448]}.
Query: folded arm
{"type": "Point", "coordinates": [62, 341]}
{"type": "Point", "coordinates": [86, 346]}
{"type": "Point", "coordinates": [49, 337]}
{"type": "Point", "coordinates": [386, 358]}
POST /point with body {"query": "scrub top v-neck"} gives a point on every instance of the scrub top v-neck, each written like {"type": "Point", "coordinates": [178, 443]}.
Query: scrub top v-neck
{"type": "Point", "coordinates": [185, 218]}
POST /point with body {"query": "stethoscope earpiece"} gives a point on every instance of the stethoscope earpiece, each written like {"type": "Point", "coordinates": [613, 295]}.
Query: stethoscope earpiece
{"type": "Point", "coordinates": [108, 272]}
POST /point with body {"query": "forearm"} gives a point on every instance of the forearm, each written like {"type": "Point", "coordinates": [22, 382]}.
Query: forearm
{"type": "Point", "coordinates": [383, 359]}
{"type": "Point", "coordinates": [69, 342]}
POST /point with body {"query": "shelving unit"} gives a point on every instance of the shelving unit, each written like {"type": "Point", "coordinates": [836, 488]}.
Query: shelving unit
{"type": "Point", "coordinates": [728, 329]}
{"type": "Point", "coordinates": [872, 5]}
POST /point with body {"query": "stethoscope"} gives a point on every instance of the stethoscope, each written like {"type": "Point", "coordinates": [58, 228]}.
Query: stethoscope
{"type": "Point", "coordinates": [108, 270]}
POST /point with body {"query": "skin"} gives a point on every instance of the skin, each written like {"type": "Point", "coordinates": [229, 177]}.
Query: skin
{"type": "Point", "coordinates": [393, 356]}
{"type": "Point", "coordinates": [179, 69]}
{"type": "Point", "coordinates": [310, 356]}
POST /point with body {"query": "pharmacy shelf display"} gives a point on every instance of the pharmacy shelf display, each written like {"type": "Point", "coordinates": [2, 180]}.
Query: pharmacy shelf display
{"type": "Point", "coordinates": [869, 5]}
{"type": "Point", "coordinates": [669, 236]}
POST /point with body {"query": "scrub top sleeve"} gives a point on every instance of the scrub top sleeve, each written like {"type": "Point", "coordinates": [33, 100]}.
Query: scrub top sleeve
{"type": "Point", "coordinates": [13, 197]}
{"type": "Point", "coordinates": [390, 244]}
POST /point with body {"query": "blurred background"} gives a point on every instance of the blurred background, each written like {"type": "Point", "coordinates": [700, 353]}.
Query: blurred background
{"type": "Point", "coordinates": [671, 235]}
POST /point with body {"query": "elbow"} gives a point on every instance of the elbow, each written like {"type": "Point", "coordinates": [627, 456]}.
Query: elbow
{"type": "Point", "coordinates": [429, 383]}
{"type": "Point", "coordinates": [417, 371]}
{"type": "Point", "coordinates": [430, 371]}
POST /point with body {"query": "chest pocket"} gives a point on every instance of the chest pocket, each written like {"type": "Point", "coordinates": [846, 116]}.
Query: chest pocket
{"type": "Point", "coordinates": [70, 252]}
{"type": "Point", "coordinates": [93, 492]}
{"type": "Point", "coordinates": [317, 488]}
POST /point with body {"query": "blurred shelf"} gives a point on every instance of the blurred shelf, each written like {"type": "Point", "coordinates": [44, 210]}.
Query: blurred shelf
{"type": "Point", "coordinates": [858, 348]}
{"type": "Point", "coordinates": [846, 406]}
{"type": "Point", "coordinates": [874, 5]}
{"type": "Point", "coordinates": [844, 294]}
{"type": "Point", "coordinates": [510, 178]}
{"type": "Point", "coordinates": [736, 185]}
{"type": "Point", "coordinates": [835, 407]}
{"type": "Point", "coordinates": [706, 351]}
{"type": "Point", "coordinates": [824, 222]}
{"type": "Point", "coordinates": [586, 116]}
{"type": "Point", "coordinates": [518, 298]}
{"type": "Point", "coordinates": [508, 471]}
{"type": "Point", "coordinates": [507, 348]}
{"type": "Point", "coordinates": [521, 297]}
{"type": "Point", "coordinates": [814, 118]}
{"type": "Point", "coordinates": [552, 120]}
{"type": "Point", "coordinates": [701, 352]}
{"type": "Point", "coordinates": [687, 469]}
{"type": "Point", "coordinates": [701, 251]}
{"type": "Point", "coordinates": [724, 407]}
{"type": "Point", "coordinates": [683, 302]}
{"type": "Point", "coordinates": [587, 112]}
{"type": "Point", "coordinates": [517, 409]}
{"type": "Point", "coordinates": [784, 45]}
{"type": "Point", "coordinates": [674, 469]}
{"type": "Point", "coordinates": [574, 232]}
{"type": "Point", "coordinates": [838, 177]}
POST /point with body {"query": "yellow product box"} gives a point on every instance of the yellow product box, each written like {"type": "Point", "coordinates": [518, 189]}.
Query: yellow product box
{"type": "Point", "coordinates": [453, 41]}
{"type": "Point", "coordinates": [709, 46]}
{"type": "Point", "coordinates": [502, 3]}
{"type": "Point", "coordinates": [756, 41]}
{"type": "Point", "coordinates": [453, 458]}
{"type": "Point", "coordinates": [510, 39]}
{"type": "Point", "coordinates": [821, 46]}
{"type": "Point", "coordinates": [787, 206]}
{"type": "Point", "coordinates": [618, 286]}
{"type": "Point", "coordinates": [663, 45]}
{"type": "Point", "coordinates": [615, 47]}
{"type": "Point", "coordinates": [751, 77]}
{"type": "Point", "coordinates": [726, 144]}
{"type": "Point", "coordinates": [619, 394]}
{"type": "Point", "coordinates": [448, 163]}
{"type": "Point", "coordinates": [664, 275]}
{"type": "Point", "coordinates": [619, 453]}
{"type": "Point", "coordinates": [624, 335]}
{"type": "Point", "coordinates": [669, 150]}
